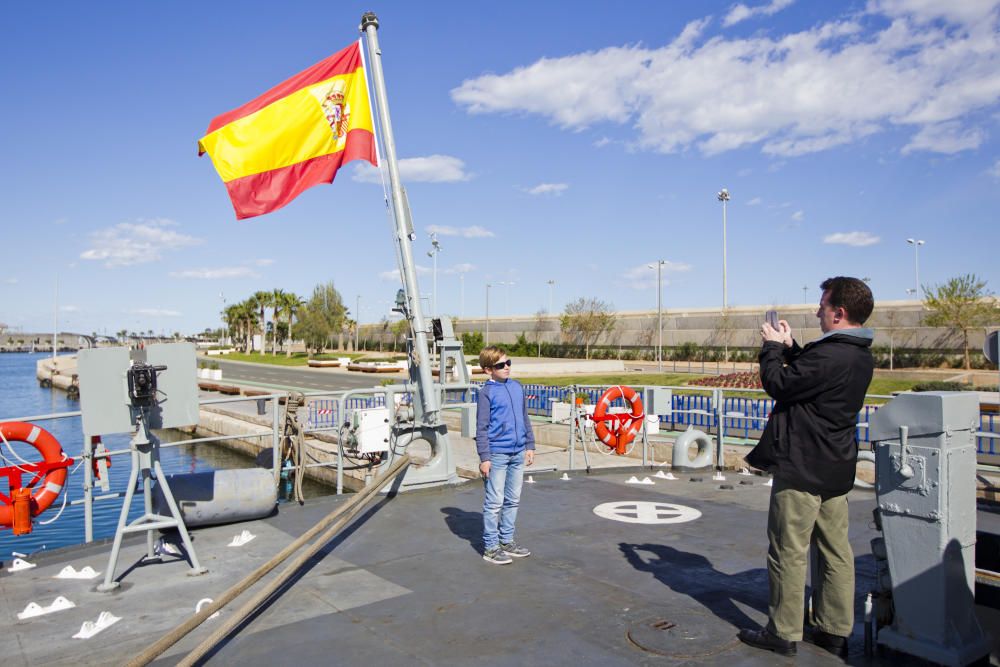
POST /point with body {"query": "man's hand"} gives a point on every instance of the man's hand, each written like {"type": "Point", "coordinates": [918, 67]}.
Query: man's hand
{"type": "Point", "coordinates": [529, 457]}
{"type": "Point", "coordinates": [484, 468]}
{"type": "Point", "coordinates": [783, 334]}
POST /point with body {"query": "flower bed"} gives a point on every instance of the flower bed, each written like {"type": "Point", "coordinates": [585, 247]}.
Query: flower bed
{"type": "Point", "coordinates": [742, 380]}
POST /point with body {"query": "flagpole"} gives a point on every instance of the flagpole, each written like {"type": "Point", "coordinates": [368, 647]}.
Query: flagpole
{"type": "Point", "coordinates": [404, 227]}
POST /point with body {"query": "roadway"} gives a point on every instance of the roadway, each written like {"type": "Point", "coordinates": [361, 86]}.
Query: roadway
{"type": "Point", "coordinates": [300, 379]}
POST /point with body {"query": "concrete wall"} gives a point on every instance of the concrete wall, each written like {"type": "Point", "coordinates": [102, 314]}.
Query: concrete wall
{"type": "Point", "coordinates": [902, 321]}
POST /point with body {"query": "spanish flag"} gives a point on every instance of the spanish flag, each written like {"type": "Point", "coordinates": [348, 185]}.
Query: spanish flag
{"type": "Point", "coordinates": [294, 136]}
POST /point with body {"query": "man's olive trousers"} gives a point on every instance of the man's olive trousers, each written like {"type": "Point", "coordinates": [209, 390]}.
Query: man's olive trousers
{"type": "Point", "coordinates": [794, 519]}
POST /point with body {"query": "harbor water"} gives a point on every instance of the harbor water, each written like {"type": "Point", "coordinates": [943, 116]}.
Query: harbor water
{"type": "Point", "coordinates": [21, 396]}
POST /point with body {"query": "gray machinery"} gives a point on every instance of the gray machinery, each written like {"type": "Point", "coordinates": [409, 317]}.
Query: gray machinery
{"type": "Point", "coordinates": [925, 481]}
{"type": "Point", "coordinates": [153, 388]}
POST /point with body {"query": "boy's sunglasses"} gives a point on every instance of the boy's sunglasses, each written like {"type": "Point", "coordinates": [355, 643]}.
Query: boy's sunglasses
{"type": "Point", "coordinates": [499, 366]}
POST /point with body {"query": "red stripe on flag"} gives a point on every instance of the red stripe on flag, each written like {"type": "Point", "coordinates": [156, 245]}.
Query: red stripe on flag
{"type": "Point", "coordinates": [342, 62]}
{"type": "Point", "coordinates": [268, 191]}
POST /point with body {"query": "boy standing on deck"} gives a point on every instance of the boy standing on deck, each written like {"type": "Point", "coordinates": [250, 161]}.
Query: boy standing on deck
{"type": "Point", "coordinates": [505, 443]}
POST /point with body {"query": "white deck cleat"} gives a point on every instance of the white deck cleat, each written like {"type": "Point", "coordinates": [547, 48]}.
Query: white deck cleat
{"type": "Point", "coordinates": [632, 480]}
{"type": "Point", "coordinates": [20, 564]}
{"type": "Point", "coordinates": [646, 480]}
{"type": "Point", "coordinates": [565, 477]}
{"type": "Point", "coordinates": [69, 572]}
{"type": "Point", "coordinates": [530, 480]}
{"type": "Point", "coordinates": [718, 477]}
{"type": "Point", "coordinates": [769, 482]}
{"type": "Point", "coordinates": [34, 609]}
{"type": "Point", "coordinates": [103, 622]}
{"type": "Point", "coordinates": [746, 472]}
{"type": "Point", "coordinates": [664, 475]}
{"type": "Point", "coordinates": [201, 603]}
{"type": "Point", "coordinates": [241, 539]}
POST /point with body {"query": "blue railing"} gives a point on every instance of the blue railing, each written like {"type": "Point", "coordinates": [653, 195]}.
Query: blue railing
{"type": "Point", "coordinates": [325, 413]}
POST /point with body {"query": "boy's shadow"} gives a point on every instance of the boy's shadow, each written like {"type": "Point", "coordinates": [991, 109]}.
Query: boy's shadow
{"type": "Point", "coordinates": [692, 574]}
{"type": "Point", "coordinates": [467, 525]}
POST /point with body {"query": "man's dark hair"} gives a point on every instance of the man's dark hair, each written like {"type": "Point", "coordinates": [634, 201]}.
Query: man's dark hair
{"type": "Point", "coordinates": [850, 294]}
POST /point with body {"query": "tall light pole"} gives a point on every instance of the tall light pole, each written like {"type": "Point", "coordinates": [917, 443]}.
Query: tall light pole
{"type": "Point", "coordinates": [805, 294]}
{"type": "Point", "coordinates": [433, 252]}
{"type": "Point", "coordinates": [916, 262]}
{"type": "Point", "coordinates": [357, 322]}
{"type": "Point", "coordinates": [550, 283]}
{"type": "Point", "coordinates": [488, 286]}
{"type": "Point", "coordinates": [225, 324]}
{"type": "Point", "coordinates": [723, 196]}
{"type": "Point", "coordinates": [659, 313]}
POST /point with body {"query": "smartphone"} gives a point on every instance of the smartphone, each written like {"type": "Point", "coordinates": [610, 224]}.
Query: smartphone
{"type": "Point", "coordinates": [771, 317]}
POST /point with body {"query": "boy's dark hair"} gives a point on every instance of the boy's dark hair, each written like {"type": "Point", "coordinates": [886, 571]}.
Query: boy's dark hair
{"type": "Point", "coordinates": [489, 356]}
{"type": "Point", "coordinates": [850, 294]}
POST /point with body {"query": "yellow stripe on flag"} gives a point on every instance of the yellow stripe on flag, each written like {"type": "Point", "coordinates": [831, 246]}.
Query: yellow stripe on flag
{"type": "Point", "coordinates": [289, 131]}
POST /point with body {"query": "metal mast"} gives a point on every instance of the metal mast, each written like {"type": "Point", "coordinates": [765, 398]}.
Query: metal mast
{"type": "Point", "coordinates": [404, 228]}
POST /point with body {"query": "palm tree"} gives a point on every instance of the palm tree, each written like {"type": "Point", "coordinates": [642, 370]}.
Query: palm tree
{"type": "Point", "coordinates": [262, 301]}
{"type": "Point", "coordinates": [247, 321]}
{"type": "Point", "coordinates": [277, 305]}
{"type": "Point", "coordinates": [292, 305]}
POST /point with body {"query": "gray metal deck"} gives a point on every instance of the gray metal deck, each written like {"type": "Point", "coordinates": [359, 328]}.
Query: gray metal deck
{"type": "Point", "coordinates": [405, 584]}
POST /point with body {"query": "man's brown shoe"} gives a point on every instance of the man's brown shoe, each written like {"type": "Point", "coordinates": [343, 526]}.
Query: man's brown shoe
{"type": "Point", "coordinates": [765, 640]}
{"type": "Point", "coordinates": [834, 644]}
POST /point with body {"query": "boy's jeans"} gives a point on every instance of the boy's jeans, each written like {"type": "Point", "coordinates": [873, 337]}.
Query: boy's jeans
{"type": "Point", "coordinates": [503, 493]}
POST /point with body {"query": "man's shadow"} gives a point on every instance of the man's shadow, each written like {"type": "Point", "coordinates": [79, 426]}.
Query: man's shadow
{"type": "Point", "coordinates": [692, 574]}
{"type": "Point", "coordinates": [466, 525]}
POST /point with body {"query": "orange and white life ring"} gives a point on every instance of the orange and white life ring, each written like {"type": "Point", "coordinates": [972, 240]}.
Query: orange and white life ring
{"type": "Point", "coordinates": [54, 467]}
{"type": "Point", "coordinates": [623, 427]}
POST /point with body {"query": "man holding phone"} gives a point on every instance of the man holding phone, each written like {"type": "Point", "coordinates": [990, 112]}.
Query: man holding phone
{"type": "Point", "coordinates": [809, 446]}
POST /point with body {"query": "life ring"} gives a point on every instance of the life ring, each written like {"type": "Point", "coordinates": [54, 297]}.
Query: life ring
{"type": "Point", "coordinates": [54, 467]}
{"type": "Point", "coordinates": [623, 427]}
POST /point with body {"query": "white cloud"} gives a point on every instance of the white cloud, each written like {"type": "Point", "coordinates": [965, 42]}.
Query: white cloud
{"type": "Point", "coordinates": [856, 239]}
{"type": "Point", "coordinates": [945, 138]}
{"type": "Point", "coordinates": [430, 169]}
{"type": "Point", "coordinates": [263, 262]}
{"type": "Point", "coordinates": [754, 202]}
{"type": "Point", "coordinates": [11, 281]}
{"type": "Point", "coordinates": [395, 277]}
{"type": "Point", "coordinates": [994, 171]}
{"type": "Point", "coordinates": [643, 277]}
{"type": "Point", "coordinates": [155, 312]}
{"type": "Point", "coordinates": [60, 221]}
{"type": "Point", "coordinates": [473, 232]}
{"type": "Point", "coordinates": [741, 12]}
{"type": "Point", "coordinates": [218, 273]}
{"type": "Point", "coordinates": [798, 216]}
{"type": "Point", "coordinates": [129, 243]}
{"type": "Point", "coordinates": [69, 309]}
{"type": "Point", "coordinates": [461, 268]}
{"type": "Point", "coordinates": [548, 189]}
{"type": "Point", "coordinates": [803, 92]}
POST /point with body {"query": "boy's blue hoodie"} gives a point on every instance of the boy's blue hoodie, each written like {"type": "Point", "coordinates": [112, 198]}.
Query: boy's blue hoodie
{"type": "Point", "coordinates": [502, 424]}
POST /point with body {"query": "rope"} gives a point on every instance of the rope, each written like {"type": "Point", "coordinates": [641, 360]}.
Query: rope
{"type": "Point", "coordinates": [332, 524]}
{"type": "Point", "coordinates": [292, 440]}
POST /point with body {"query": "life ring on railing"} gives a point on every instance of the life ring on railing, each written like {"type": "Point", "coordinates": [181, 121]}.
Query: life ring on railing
{"type": "Point", "coordinates": [623, 427]}
{"type": "Point", "coordinates": [53, 467]}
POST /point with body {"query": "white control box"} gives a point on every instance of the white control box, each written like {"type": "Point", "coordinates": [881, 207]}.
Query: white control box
{"type": "Point", "coordinates": [370, 428]}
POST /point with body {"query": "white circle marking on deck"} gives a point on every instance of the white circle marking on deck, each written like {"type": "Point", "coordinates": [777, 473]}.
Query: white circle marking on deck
{"type": "Point", "coordinates": [633, 511]}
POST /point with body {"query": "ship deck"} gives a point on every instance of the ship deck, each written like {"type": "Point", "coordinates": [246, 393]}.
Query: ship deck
{"type": "Point", "coordinates": [405, 584]}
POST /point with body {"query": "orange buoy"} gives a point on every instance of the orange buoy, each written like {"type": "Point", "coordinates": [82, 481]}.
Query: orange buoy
{"type": "Point", "coordinates": [18, 510]}
{"type": "Point", "coordinates": [623, 427]}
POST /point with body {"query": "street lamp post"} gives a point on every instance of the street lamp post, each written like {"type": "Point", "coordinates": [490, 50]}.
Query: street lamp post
{"type": "Point", "coordinates": [805, 294]}
{"type": "Point", "coordinates": [225, 325]}
{"type": "Point", "coordinates": [357, 322]}
{"type": "Point", "coordinates": [916, 243]}
{"type": "Point", "coordinates": [550, 283]}
{"type": "Point", "coordinates": [433, 252]}
{"type": "Point", "coordinates": [488, 286]}
{"type": "Point", "coordinates": [723, 196]}
{"type": "Point", "coordinates": [659, 313]}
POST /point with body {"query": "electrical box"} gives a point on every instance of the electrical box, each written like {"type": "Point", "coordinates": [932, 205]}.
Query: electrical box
{"type": "Point", "coordinates": [370, 430]}
{"type": "Point", "coordinates": [658, 401]}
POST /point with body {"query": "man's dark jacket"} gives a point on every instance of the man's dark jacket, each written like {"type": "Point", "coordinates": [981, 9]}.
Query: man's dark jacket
{"type": "Point", "coordinates": [809, 440]}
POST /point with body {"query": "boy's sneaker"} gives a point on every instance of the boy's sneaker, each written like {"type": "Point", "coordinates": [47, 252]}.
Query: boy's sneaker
{"type": "Point", "coordinates": [496, 556]}
{"type": "Point", "coordinates": [515, 550]}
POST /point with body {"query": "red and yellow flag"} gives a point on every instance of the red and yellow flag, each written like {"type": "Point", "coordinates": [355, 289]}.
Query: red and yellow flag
{"type": "Point", "coordinates": [294, 136]}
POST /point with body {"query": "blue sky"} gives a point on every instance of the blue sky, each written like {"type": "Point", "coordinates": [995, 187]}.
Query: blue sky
{"type": "Point", "coordinates": [573, 142]}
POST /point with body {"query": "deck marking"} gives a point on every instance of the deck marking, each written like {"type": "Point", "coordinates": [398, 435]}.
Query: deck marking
{"type": "Point", "coordinates": [633, 511]}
